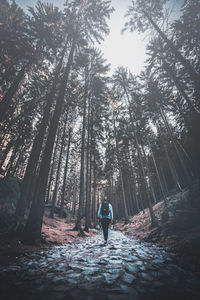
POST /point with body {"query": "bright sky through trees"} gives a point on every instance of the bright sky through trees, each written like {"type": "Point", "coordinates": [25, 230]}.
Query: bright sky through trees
{"type": "Point", "coordinates": [126, 50]}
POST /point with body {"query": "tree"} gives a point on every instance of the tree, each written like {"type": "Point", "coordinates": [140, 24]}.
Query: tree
{"type": "Point", "coordinates": [94, 102]}
{"type": "Point", "coordinates": [121, 80]}
{"type": "Point", "coordinates": [144, 15]}
{"type": "Point", "coordinates": [39, 33]}
{"type": "Point", "coordinates": [95, 14]}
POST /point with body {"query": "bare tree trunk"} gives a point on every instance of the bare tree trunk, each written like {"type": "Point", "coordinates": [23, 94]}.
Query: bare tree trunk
{"type": "Point", "coordinates": [154, 221]}
{"type": "Point", "coordinates": [135, 193]}
{"type": "Point", "coordinates": [164, 180]}
{"type": "Point", "coordinates": [52, 169]}
{"type": "Point", "coordinates": [89, 167]}
{"type": "Point", "coordinates": [133, 180]}
{"type": "Point", "coordinates": [94, 188]}
{"type": "Point", "coordinates": [12, 158]}
{"type": "Point", "coordinates": [74, 199]}
{"type": "Point", "coordinates": [65, 174]}
{"type": "Point", "coordinates": [121, 176]}
{"type": "Point", "coordinates": [90, 185]}
{"type": "Point", "coordinates": [38, 142]}
{"type": "Point", "coordinates": [7, 150]}
{"type": "Point", "coordinates": [179, 87]}
{"type": "Point", "coordinates": [157, 174]}
{"type": "Point", "coordinates": [58, 171]}
{"type": "Point", "coordinates": [172, 169]}
{"type": "Point", "coordinates": [187, 176]}
{"type": "Point", "coordinates": [148, 173]}
{"type": "Point", "coordinates": [188, 67]}
{"type": "Point", "coordinates": [32, 231]}
{"type": "Point", "coordinates": [7, 99]}
{"type": "Point", "coordinates": [82, 170]}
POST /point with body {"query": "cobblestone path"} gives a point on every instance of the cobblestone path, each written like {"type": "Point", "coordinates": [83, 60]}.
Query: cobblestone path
{"type": "Point", "coordinates": [123, 269]}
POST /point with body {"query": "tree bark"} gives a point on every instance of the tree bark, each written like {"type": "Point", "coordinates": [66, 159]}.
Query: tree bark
{"type": "Point", "coordinates": [74, 199]}
{"type": "Point", "coordinates": [33, 226]}
{"type": "Point", "coordinates": [7, 99]}
{"type": "Point", "coordinates": [38, 142]}
{"type": "Point", "coordinates": [65, 174]}
{"type": "Point", "coordinates": [88, 168]}
{"type": "Point", "coordinates": [188, 179]}
{"type": "Point", "coordinates": [172, 169]}
{"type": "Point", "coordinates": [157, 174]}
{"type": "Point", "coordinates": [94, 187]}
{"type": "Point", "coordinates": [52, 169]}
{"type": "Point", "coordinates": [154, 221]}
{"type": "Point", "coordinates": [121, 175]}
{"type": "Point", "coordinates": [179, 87]}
{"type": "Point", "coordinates": [188, 67]}
{"type": "Point", "coordinates": [78, 226]}
{"type": "Point", "coordinates": [55, 192]}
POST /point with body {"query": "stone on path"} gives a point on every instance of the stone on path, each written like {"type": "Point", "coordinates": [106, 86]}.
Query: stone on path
{"type": "Point", "coordinates": [146, 276]}
{"type": "Point", "coordinates": [128, 278]}
{"type": "Point", "coordinates": [132, 268]}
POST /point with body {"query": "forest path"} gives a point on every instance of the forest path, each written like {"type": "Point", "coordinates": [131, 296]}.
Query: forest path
{"type": "Point", "coordinates": [123, 269]}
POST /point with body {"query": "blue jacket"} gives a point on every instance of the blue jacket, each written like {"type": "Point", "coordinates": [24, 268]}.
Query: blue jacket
{"type": "Point", "coordinates": [110, 214]}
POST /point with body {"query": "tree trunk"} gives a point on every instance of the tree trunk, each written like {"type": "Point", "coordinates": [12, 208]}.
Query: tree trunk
{"type": "Point", "coordinates": [90, 184]}
{"type": "Point", "coordinates": [12, 158]}
{"type": "Point", "coordinates": [120, 174]}
{"type": "Point", "coordinates": [82, 170]}
{"type": "Point", "coordinates": [148, 173]}
{"type": "Point", "coordinates": [74, 200]}
{"type": "Point", "coordinates": [187, 176]}
{"type": "Point", "coordinates": [188, 67]}
{"type": "Point", "coordinates": [7, 99]}
{"type": "Point", "coordinates": [7, 150]}
{"type": "Point", "coordinates": [33, 226]}
{"type": "Point", "coordinates": [137, 209]}
{"type": "Point", "coordinates": [52, 169]}
{"type": "Point", "coordinates": [65, 174]}
{"type": "Point", "coordinates": [88, 168]}
{"type": "Point", "coordinates": [164, 180]}
{"type": "Point", "coordinates": [172, 169]}
{"type": "Point", "coordinates": [157, 174]}
{"type": "Point", "coordinates": [179, 87]}
{"type": "Point", "coordinates": [55, 192]}
{"type": "Point", "coordinates": [154, 221]}
{"type": "Point", "coordinates": [133, 180]}
{"type": "Point", "coordinates": [38, 142]}
{"type": "Point", "coordinates": [94, 188]}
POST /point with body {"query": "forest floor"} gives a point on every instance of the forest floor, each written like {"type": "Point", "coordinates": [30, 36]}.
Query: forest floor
{"type": "Point", "coordinates": [130, 266]}
{"type": "Point", "coordinates": [56, 231]}
{"type": "Point", "coordinates": [179, 229]}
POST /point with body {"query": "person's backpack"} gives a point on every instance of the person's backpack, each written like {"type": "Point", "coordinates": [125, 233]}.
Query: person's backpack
{"type": "Point", "coordinates": [105, 208]}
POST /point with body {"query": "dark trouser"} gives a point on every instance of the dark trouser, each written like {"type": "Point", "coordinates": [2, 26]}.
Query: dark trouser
{"type": "Point", "coordinates": [105, 223]}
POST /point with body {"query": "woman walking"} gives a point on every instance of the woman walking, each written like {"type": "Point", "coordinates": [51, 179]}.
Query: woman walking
{"type": "Point", "coordinates": [105, 214]}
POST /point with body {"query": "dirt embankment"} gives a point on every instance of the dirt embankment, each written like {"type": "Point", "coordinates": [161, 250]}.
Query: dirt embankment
{"type": "Point", "coordinates": [179, 225]}
{"type": "Point", "coordinates": [55, 231]}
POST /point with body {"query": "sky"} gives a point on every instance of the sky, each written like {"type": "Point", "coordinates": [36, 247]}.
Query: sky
{"type": "Point", "coordinates": [126, 50]}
